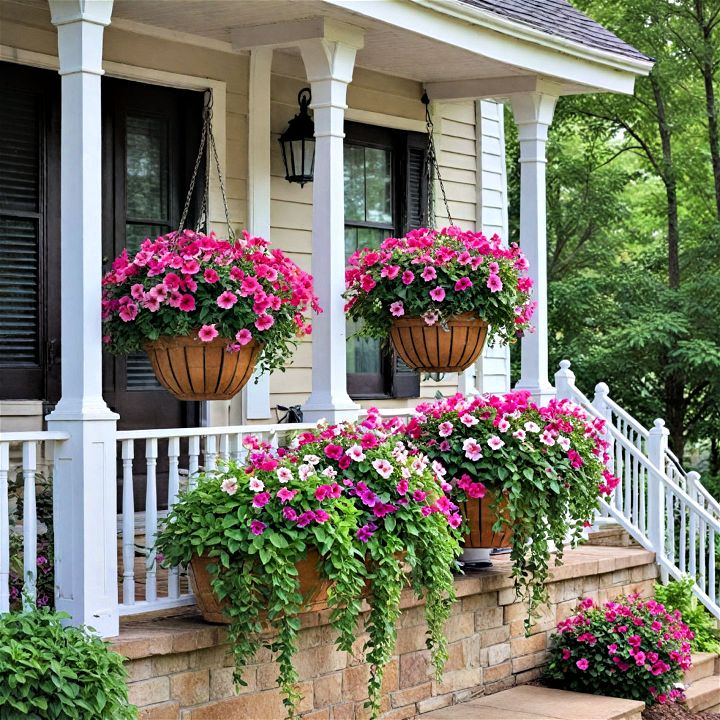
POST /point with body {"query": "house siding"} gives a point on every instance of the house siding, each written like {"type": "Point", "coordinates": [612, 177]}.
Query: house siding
{"type": "Point", "coordinates": [475, 188]}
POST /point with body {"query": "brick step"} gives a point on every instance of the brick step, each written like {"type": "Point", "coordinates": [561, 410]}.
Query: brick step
{"type": "Point", "coordinates": [529, 702]}
{"type": "Point", "coordinates": [611, 536]}
{"type": "Point", "coordinates": [703, 665]}
{"type": "Point", "coordinates": [703, 694]}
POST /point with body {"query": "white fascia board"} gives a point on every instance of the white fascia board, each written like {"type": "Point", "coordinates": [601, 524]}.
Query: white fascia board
{"type": "Point", "coordinates": [292, 32]}
{"type": "Point", "coordinates": [510, 43]}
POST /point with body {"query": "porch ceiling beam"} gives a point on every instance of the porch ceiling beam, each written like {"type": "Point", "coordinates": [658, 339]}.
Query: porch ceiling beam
{"type": "Point", "coordinates": [494, 87]}
{"type": "Point", "coordinates": [459, 25]}
{"type": "Point", "coordinates": [295, 32]}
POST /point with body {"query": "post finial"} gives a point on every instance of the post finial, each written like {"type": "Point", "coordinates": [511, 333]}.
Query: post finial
{"type": "Point", "coordinates": [602, 389]}
{"type": "Point", "coordinates": [565, 364]}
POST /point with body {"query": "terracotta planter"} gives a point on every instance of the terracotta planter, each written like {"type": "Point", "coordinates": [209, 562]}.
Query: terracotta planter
{"type": "Point", "coordinates": [313, 587]}
{"type": "Point", "coordinates": [481, 519]}
{"type": "Point", "coordinates": [194, 370]}
{"type": "Point", "coordinates": [452, 347]}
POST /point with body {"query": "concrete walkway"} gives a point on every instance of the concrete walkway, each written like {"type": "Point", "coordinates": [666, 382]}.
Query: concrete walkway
{"type": "Point", "coordinates": [529, 702]}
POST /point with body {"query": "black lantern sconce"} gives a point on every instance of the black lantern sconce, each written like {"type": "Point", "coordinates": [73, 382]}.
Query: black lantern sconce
{"type": "Point", "coordinates": [298, 143]}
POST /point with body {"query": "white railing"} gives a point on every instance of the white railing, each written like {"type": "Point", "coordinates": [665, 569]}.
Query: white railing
{"type": "Point", "coordinates": [29, 457]}
{"type": "Point", "coordinates": [665, 509]}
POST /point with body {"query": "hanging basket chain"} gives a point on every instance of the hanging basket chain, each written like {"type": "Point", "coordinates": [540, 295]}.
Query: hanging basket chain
{"type": "Point", "coordinates": [207, 139]}
{"type": "Point", "coordinates": [431, 165]}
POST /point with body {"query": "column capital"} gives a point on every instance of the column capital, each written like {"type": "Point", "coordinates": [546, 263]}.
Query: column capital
{"type": "Point", "coordinates": [332, 57]}
{"type": "Point", "coordinates": [533, 108]}
{"type": "Point", "coordinates": [97, 12]}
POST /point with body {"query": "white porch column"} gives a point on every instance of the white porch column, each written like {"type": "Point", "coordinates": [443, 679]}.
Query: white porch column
{"type": "Point", "coordinates": [84, 483]}
{"type": "Point", "coordinates": [329, 64]}
{"type": "Point", "coordinates": [533, 112]}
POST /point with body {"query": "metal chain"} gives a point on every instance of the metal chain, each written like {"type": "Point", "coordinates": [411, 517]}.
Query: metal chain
{"type": "Point", "coordinates": [431, 163]}
{"type": "Point", "coordinates": [206, 138]}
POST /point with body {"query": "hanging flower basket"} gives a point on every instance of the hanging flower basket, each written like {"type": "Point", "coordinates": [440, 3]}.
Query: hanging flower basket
{"type": "Point", "coordinates": [194, 370]}
{"type": "Point", "coordinates": [313, 587]}
{"type": "Point", "coordinates": [450, 346]}
{"type": "Point", "coordinates": [206, 310]}
{"type": "Point", "coordinates": [434, 294]}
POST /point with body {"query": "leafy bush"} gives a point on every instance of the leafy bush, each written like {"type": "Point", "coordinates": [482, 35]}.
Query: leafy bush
{"type": "Point", "coordinates": [51, 671]}
{"type": "Point", "coordinates": [630, 648]}
{"type": "Point", "coordinates": [677, 595]}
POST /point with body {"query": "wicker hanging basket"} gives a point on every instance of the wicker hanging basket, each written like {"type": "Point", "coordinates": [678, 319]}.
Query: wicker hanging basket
{"type": "Point", "coordinates": [194, 370]}
{"type": "Point", "coordinates": [481, 519]}
{"type": "Point", "coordinates": [444, 347]}
{"type": "Point", "coordinates": [313, 587]}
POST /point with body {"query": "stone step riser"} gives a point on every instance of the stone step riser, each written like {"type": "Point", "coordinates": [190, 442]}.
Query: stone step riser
{"type": "Point", "coordinates": [701, 669]}
{"type": "Point", "coordinates": [703, 694]}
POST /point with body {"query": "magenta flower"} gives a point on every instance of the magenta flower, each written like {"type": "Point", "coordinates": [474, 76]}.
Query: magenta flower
{"type": "Point", "coordinates": [208, 333]}
{"type": "Point", "coordinates": [402, 487]}
{"type": "Point", "coordinates": [583, 664]}
{"type": "Point", "coordinates": [334, 452]}
{"type": "Point", "coordinates": [566, 653]}
{"type": "Point", "coordinates": [494, 283]}
{"type": "Point", "coordinates": [211, 275]}
{"type": "Point", "coordinates": [227, 299]}
{"type": "Point", "coordinates": [306, 518]}
{"type": "Point", "coordinates": [187, 303]}
{"type": "Point", "coordinates": [429, 273]}
{"type": "Point", "coordinates": [397, 309]}
{"type": "Point", "coordinates": [419, 495]}
{"type": "Point", "coordinates": [128, 312]}
{"type": "Point", "coordinates": [408, 277]}
{"type": "Point", "coordinates": [289, 513]}
{"type": "Point", "coordinates": [464, 283]}
{"type": "Point", "coordinates": [243, 336]}
{"type": "Point", "coordinates": [285, 494]}
{"type": "Point", "coordinates": [366, 532]}
{"type": "Point", "coordinates": [264, 322]}
{"type": "Point", "coordinates": [257, 527]}
{"type": "Point", "coordinates": [261, 499]}
{"type": "Point", "coordinates": [438, 294]}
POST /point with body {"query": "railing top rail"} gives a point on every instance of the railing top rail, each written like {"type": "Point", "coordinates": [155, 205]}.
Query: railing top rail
{"type": "Point", "coordinates": [628, 418]}
{"type": "Point", "coordinates": [37, 435]}
{"type": "Point", "coordinates": [215, 430]}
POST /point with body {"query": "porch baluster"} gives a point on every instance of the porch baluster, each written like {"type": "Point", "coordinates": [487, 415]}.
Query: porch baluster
{"type": "Point", "coordinates": [4, 528]}
{"type": "Point", "coordinates": [210, 452]}
{"type": "Point", "coordinates": [193, 460]}
{"type": "Point", "coordinates": [29, 460]}
{"type": "Point", "coordinates": [173, 490]}
{"type": "Point", "coordinates": [128, 523]}
{"type": "Point", "coordinates": [151, 453]}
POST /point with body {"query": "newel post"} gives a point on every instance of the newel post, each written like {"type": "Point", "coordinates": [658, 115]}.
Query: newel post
{"type": "Point", "coordinates": [565, 381]}
{"type": "Point", "coordinates": [657, 447]}
{"type": "Point", "coordinates": [84, 481]}
{"type": "Point", "coordinates": [329, 63]}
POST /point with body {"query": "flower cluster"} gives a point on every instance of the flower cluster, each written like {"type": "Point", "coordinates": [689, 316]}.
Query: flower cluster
{"type": "Point", "coordinates": [189, 284]}
{"type": "Point", "coordinates": [630, 648]}
{"type": "Point", "coordinates": [437, 275]}
{"type": "Point", "coordinates": [543, 466]}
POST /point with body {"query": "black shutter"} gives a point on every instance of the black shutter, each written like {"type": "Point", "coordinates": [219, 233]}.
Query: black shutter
{"type": "Point", "coordinates": [405, 381]}
{"type": "Point", "coordinates": [26, 146]}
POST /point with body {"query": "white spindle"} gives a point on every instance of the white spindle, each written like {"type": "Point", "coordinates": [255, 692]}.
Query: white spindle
{"type": "Point", "coordinates": [627, 472]}
{"type": "Point", "coordinates": [151, 454]}
{"type": "Point", "coordinates": [702, 556]}
{"type": "Point", "coordinates": [173, 490]}
{"type": "Point", "coordinates": [29, 459]}
{"type": "Point", "coordinates": [4, 528]}
{"type": "Point", "coordinates": [210, 452]}
{"type": "Point", "coordinates": [670, 523]}
{"type": "Point", "coordinates": [128, 522]}
{"type": "Point", "coordinates": [224, 447]}
{"type": "Point", "coordinates": [193, 459]}
{"type": "Point", "coordinates": [237, 451]}
{"type": "Point", "coordinates": [712, 587]}
{"type": "Point", "coordinates": [683, 538]}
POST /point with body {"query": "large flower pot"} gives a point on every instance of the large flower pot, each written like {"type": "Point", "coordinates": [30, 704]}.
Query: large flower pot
{"type": "Point", "coordinates": [194, 370]}
{"type": "Point", "coordinates": [313, 587]}
{"type": "Point", "coordinates": [443, 347]}
{"type": "Point", "coordinates": [480, 520]}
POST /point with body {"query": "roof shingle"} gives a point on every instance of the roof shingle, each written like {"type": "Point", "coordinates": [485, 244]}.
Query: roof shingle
{"type": "Point", "coordinates": [559, 17]}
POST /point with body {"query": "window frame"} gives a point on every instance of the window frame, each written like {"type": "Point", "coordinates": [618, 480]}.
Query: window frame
{"type": "Point", "coordinates": [392, 381]}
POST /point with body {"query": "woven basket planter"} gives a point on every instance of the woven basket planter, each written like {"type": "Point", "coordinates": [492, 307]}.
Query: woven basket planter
{"type": "Point", "coordinates": [313, 587]}
{"type": "Point", "coordinates": [194, 370]}
{"type": "Point", "coordinates": [481, 519]}
{"type": "Point", "coordinates": [449, 347]}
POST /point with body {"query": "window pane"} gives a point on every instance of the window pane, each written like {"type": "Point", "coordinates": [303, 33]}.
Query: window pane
{"type": "Point", "coordinates": [354, 183]}
{"type": "Point", "coordinates": [135, 233]}
{"type": "Point", "coordinates": [363, 354]}
{"type": "Point", "coordinates": [147, 167]}
{"type": "Point", "coordinates": [371, 237]}
{"type": "Point", "coordinates": [378, 185]}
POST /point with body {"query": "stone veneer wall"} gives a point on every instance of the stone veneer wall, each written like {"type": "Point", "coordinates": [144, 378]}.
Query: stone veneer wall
{"type": "Point", "coordinates": [180, 669]}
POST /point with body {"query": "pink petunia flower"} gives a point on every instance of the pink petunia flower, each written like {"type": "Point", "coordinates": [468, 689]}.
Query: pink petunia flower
{"type": "Point", "coordinates": [438, 294]}
{"type": "Point", "coordinates": [495, 442]}
{"type": "Point", "coordinates": [472, 448]}
{"type": "Point", "coordinates": [227, 299]}
{"type": "Point", "coordinates": [186, 303]}
{"type": "Point", "coordinates": [429, 273]}
{"type": "Point", "coordinates": [464, 283]}
{"type": "Point", "coordinates": [445, 429]}
{"type": "Point", "coordinates": [208, 333]}
{"type": "Point", "coordinates": [494, 283]}
{"type": "Point", "coordinates": [257, 527]}
{"type": "Point", "coordinates": [583, 664]}
{"type": "Point", "coordinates": [229, 486]}
{"type": "Point", "coordinates": [264, 322]}
{"type": "Point", "coordinates": [243, 336]}
{"type": "Point", "coordinates": [383, 468]}
{"type": "Point", "coordinates": [431, 317]}
{"type": "Point", "coordinates": [397, 309]}
{"type": "Point", "coordinates": [407, 277]}
{"type": "Point", "coordinates": [211, 275]}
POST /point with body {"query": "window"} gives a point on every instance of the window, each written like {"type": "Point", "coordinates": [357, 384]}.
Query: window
{"type": "Point", "coordinates": [385, 195]}
{"type": "Point", "coordinates": [29, 233]}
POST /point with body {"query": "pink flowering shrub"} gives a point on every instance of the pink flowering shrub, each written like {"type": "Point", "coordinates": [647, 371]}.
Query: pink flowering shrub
{"type": "Point", "coordinates": [369, 505]}
{"type": "Point", "coordinates": [436, 275]}
{"type": "Point", "coordinates": [543, 466]}
{"type": "Point", "coordinates": [188, 284]}
{"type": "Point", "coordinates": [630, 648]}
